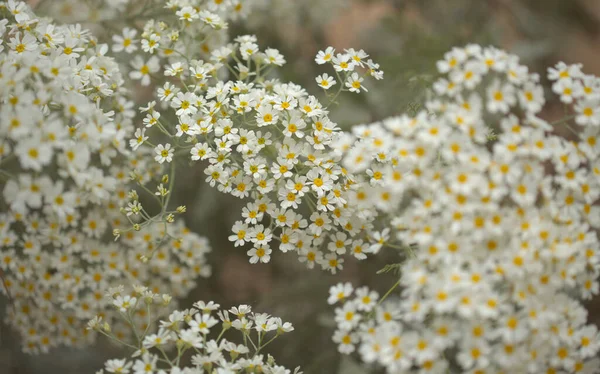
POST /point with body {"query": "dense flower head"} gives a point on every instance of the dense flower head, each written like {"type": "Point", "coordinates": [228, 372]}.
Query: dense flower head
{"type": "Point", "coordinates": [262, 140]}
{"type": "Point", "coordinates": [190, 332]}
{"type": "Point", "coordinates": [65, 169]}
{"type": "Point", "coordinates": [187, 31]}
{"type": "Point", "coordinates": [495, 211]}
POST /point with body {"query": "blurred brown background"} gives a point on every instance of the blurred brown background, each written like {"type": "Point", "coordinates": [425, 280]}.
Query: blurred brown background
{"type": "Point", "coordinates": [406, 37]}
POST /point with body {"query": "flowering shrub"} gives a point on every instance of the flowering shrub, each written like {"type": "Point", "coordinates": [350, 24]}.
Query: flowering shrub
{"type": "Point", "coordinates": [497, 233]}
{"type": "Point", "coordinates": [263, 140]}
{"type": "Point", "coordinates": [65, 169]}
{"type": "Point", "coordinates": [491, 210]}
{"type": "Point", "coordinates": [187, 332]}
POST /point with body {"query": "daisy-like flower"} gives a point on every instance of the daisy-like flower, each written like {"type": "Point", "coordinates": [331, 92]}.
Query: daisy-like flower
{"type": "Point", "coordinates": [126, 41]}
{"type": "Point", "coordinates": [211, 19]}
{"type": "Point", "coordinates": [241, 234]}
{"type": "Point", "coordinates": [500, 97]}
{"type": "Point", "coordinates": [294, 126]}
{"type": "Point", "coordinates": [187, 14]}
{"type": "Point", "coordinates": [120, 366]}
{"type": "Point", "coordinates": [206, 307]}
{"type": "Point", "coordinates": [531, 97]}
{"type": "Point", "coordinates": [124, 303]}
{"type": "Point", "coordinates": [143, 69]}
{"type": "Point", "coordinates": [260, 254]}
{"type": "Point", "coordinates": [272, 56]}
{"type": "Point", "coordinates": [260, 235]}
{"type": "Point", "coordinates": [150, 43]}
{"type": "Point", "coordinates": [139, 139]}
{"type": "Point", "coordinates": [325, 56]}
{"type": "Point", "coordinates": [566, 88]}
{"type": "Point", "coordinates": [163, 153]}
{"type": "Point", "coordinates": [342, 62]}
{"type": "Point", "coordinates": [339, 292]}
{"type": "Point", "coordinates": [266, 115]}
{"type": "Point", "coordinates": [325, 81]}
{"type": "Point", "coordinates": [354, 83]}
{"type": "Point", "coordinates": [588, 112]}
{"type": "Point", "coordinates": [202, 323]}
{"type": "Point", "coordinates": [185, 103]}
{"type": "Point", "coordinates": [346, 340]}
{"type": "Point", "coordinates": [156, 340]}
{"type": "Point", "coordinates": [332, 263]}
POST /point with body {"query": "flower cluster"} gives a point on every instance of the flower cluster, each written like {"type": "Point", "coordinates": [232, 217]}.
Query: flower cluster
{"type": "Point", "coordinates": [498, 231]}
{"type": "Point", "coordinates": [114, 13]}
{"type": "Point", "coordinates": [64, 168]}
{"type": "Point", "coordinates": [187, 32]}
{"type": "Point", "coordinates": [262, 139]}
{"type": "Point", "coordinates": [269, 142]}
{"type": "Point", "coordinates": [187, 332]}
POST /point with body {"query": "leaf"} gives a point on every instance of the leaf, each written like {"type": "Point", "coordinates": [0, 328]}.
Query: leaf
{"type": "Point", "coordinates": [390, 267]}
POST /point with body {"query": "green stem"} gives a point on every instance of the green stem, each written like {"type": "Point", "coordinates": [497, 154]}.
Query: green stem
{"type": "Point", "coordinates": [388, 292]}
{"type": "Point", "coordinates": [266, 344]}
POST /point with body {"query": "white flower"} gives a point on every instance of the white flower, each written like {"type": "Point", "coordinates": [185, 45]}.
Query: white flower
{"type": "Point", "coordinates": [260, 253]}
{"type": "Point", "coordinates": [325, 81]}
{"type": "Point", "coordinates": [342, 62]}
{"type": "Point", "coordinates": [241, 234]}
{"type": "Point", "coordinates": [211, 19]}
{"type": "Point", "coordinates": [139, 139]}
{"type": "Point", "coordinates": [588, 113]}
{"type": "Point", "coordinates": [150, 43]}
{"type": "Point", "coordinates": [202, 323]}
{"type": "Point", "coordinates": [154, 340]}
{"type": "Point", "coordinates": [347, 317]}
{"type": "Point", "coordinates": [120, 366]}
{"type": "Point", "coordinates": [452, 60]}
{"type": "Point", "coordinates": [354, 83]}
{"type": "Point", "coordinates": [163, 153]}
{"type": "Point", "coordinates": [339, 292]}
{"type": "Point", "coordinates": [332, 263]}
{"type": "Point", "coordinates": [325, 56]}
{"type": "Point", "coordinates": [19, 10]}
{"type": "Point", "coordinates": [531, 97]}
{"type": "Point", "coordinates": [33, 153]}
{"type": "Point", "coordinates": [272, 56]}
{"type": "Point", "coordinates": [143, 70]}
{"type": "Point", "coordinates": [366, 299]}
{"type": "Point", "coordinates": [185, 103]}
{"type": "Point", "coordinates": [188, 14]}
{"type": "Point", "coordinates": [500, 97]}
{"type": "Point", "coordinates": [146, 365]}
{"type": "Point", "coordinates": [346, 341]}
{"type": "Point", "coordinates": [566, 88]}
{"type": "Point", "coordinates": [294, 127]}
{"type": "Point", "coordinates": [201, 151]}
{"type": "Point", "coordinates": [126, 42]}
{"type": "Point", "coordinates": [124, 303]}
